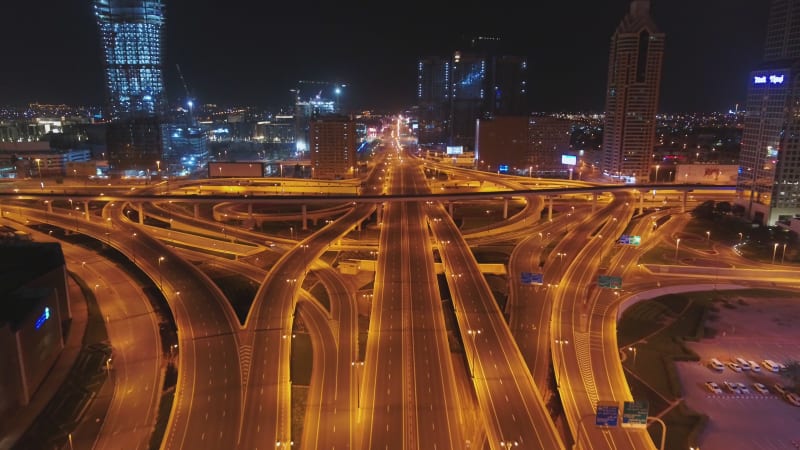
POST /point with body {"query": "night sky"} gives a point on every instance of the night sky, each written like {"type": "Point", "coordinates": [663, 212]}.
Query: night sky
{"type": "Point", "coordinates": [253, 51]}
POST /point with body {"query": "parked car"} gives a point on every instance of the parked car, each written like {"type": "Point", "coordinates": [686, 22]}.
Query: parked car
{"type": "Point", "coordinates": [771, 365]}
{"type": "Point", "coordinates": [715, 364]}
{"type": "Point", "coordinates": [793, 398]}
{"type": "Point", "coordinates": [779, 388]}
{"type": "Point", "coordinates": [743, 388]}
{"type": "Point", "coordinates": [761, 388]}
{"type": "Point", "coordinates": [713, 387]}
{"type": "Point", "coordinates": [754, 366]}
{"type": "Point", "coordinates": [733, 387]}
{"type": "Point", "coordinates": [742, 363]}
{"type": "Point", "coordinates": [734, 367]}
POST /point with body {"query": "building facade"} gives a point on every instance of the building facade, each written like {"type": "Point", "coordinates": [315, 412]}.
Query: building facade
{"type": "Point", "coordinates": [634, 80]}
{"type": "Point", "coordinates": [332, 147]}
{"type": "Point", "coordinates": [768, 183]}
{"type": "Point", "coordinates": [132, 37]}
{"type": "Point", "coordinates": [530, 145]}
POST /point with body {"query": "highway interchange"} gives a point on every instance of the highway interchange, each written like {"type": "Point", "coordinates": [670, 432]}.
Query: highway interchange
{"type": "Point", "coordinates": [412, 387]}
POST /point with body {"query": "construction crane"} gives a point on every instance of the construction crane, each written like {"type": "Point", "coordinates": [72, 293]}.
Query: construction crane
{"type": "Point", "coordinates": [189, 101]}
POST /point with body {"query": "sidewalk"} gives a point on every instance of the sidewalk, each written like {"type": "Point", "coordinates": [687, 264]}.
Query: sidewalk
{"type": "Point", "coordinates": [22, 419]}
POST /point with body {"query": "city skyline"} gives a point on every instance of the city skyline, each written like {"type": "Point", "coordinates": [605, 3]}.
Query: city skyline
{"type": "Point", "coordinates": [241, 55]}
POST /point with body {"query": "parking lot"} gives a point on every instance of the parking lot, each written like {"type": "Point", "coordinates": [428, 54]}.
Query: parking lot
{"type": "Point", "coordinates": [755, 329]}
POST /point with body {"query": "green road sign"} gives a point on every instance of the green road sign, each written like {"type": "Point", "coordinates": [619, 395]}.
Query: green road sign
{"type": "Point", "coordinates": [634, 414]}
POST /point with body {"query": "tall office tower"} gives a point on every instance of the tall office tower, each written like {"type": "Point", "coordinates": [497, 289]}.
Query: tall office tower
{"type": "Point", "coordinates": [634, 77]}
{"type": "Point", "coordinates": [768, 185]}
{"type": "Point", "coordinates": [332, 146]}
{"type": "Point", "coordinates": [433, 96]}
{"type": "Point", "coordinates": [478, 83]}
{"type": "Point", "coordinates": [131, 32]}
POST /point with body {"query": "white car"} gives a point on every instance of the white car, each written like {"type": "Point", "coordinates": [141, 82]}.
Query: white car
{"type": "Point", "coordinates": [713, 387]}
{"type": "Point", "coordinates": [733, 387]}
{"type": "Point", "coordinates": [734, 367]}
{"type": "Point", "coordinates": [743, 388]}
{"type": "Point", "coordinates": [754, 366]}
{"type": "Point", "coordinates": [742, 363]}
{"type": "Point", "coordinates": [761, 388]}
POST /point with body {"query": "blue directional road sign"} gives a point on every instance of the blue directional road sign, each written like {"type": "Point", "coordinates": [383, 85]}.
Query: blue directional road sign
{"type": "Point", "coordinates": [607, 415]}
{"type": "Point", "coordinates": [532, 278]}
{"type": "Point", "coordinates": [630, 240]}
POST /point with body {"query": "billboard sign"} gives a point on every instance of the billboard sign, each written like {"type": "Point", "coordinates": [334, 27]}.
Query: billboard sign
{"type": "Point", "coordinates": [503, 168]}
{"type": "Point", "coordinates": [610, 282]}
{"type": "Point", "coordinates": [455, 149]}
{"type": "Point", "coordinates": [569, 160]}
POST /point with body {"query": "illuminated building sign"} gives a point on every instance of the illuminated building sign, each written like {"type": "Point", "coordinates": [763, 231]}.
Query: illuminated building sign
{"type": "Point", "coordinates": [569, 160]}
{"type": "Point", "coordinates": [455, 149]}
{"type": "Point", "coordinates": [503, 168]}
{"type": "Point", "coordinates": [42, 319]}
{"type": "Point", "coordinates": [773, 79]}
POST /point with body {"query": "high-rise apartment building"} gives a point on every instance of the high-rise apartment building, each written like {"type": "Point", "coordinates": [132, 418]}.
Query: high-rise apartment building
{"type": "Point", "coordinates": [634, 78]}
{"type": "Point", "coordinates": [478, 83]}
{"type": "Point", "coordinates": [768, 185]}
{"type": "Point", "coordinates": [131, 33]}
{"type": "Point", "coordinates": [332, 145]}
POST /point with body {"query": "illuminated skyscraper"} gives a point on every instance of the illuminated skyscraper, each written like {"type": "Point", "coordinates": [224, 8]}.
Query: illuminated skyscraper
{"type": "Point", "coordinates": [634, 78]}
{"type": "Point", "coordinates": [131, 33]}
{"type": "Point", "coordinates": [453, 93]}
{"type": "Point", "coordinates": [768, 185]}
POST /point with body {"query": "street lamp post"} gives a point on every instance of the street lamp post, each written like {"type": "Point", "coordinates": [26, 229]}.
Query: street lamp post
{"type": "Point", "coordinates": [561, 343]}
{"type": "Point", "coordinates": [355, 365]}
{"type": "Point", "coordinates": [160, 280]}
{"type": "Point", "coordinates": [657, 166]}
{"type": "Point", "coordinates": [677, 246]}
{"type": "Point", "coordinates": [783, 253]}
{"type": "Point", "coordinates": [708, 236]}
{"type": "Point", "coordinates": [509, 444]}
{"type": "Point", "coordinates": [774, 251]}
{"type": "Point", "coordinates": [134, 246]}
{"type": "Point", "coordinates": [473, 334]}
{"type": "Point", "coordinates": [633, 349]}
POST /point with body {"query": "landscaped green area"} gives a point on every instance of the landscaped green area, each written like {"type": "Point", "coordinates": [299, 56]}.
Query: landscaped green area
{"type": "Point", "coordinates": [652, 336]}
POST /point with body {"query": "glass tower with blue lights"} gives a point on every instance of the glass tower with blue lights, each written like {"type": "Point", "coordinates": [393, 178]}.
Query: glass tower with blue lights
{"type": "Point", "coordinates": [131, 33]}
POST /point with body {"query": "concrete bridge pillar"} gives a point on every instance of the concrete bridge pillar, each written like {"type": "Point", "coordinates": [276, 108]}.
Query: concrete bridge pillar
{"type": "Point", "coordinates": [250, 210]}
{"type": "Point", "coordinates": [683, 202]}
{"type": "Point", "coordinates": [594, 201]}
{"type": "Point", "coordinates": [196, 210]}
{"type": "Point", "coordinates": [450, 208]}
{"type": "Point", "coordinates": [49, 204]}
{"type": "Point", "coordinates": [641, 202]}
{"type": "Point", "coordinates": [505, 208]}
{"type": "Point", "coordinates": [550, 208]}
{"type": "Point", "coordinates": [86, 211]}
{"type": "Point", "coordinates": [305, 217]}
